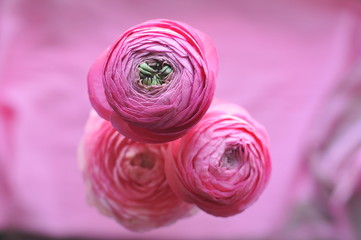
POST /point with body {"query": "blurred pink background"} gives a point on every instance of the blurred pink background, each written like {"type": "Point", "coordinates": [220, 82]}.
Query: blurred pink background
{"type": "Point", "coordinates": [295, 65]}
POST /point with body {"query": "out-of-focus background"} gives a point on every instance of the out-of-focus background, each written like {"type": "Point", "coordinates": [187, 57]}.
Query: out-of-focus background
{"type": "Point", "coordinates": [295, 65]}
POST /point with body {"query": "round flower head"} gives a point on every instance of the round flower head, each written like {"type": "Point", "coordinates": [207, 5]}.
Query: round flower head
{"type": "Point", "coordinates": [126, 180]}
{"type": "Point", "coordinates": [156, 81]}
{"type": "Point", "coordinates": [223, 164]}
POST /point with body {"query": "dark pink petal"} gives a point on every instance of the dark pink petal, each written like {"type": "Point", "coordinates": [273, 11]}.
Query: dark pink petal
{"type": "Point", "coordinates": [159, 112]}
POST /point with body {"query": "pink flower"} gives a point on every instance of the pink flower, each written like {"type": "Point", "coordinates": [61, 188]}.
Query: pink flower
{"type": "Point", "coordinates": [156, 81]}
{"type": "Point", "coordinates": [126, 180]}
{"type": "Point", "coordinates": [222, 164]}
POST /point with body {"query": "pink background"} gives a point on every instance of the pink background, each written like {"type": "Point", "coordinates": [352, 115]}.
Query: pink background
{"type": "Point", "coordinates": [279, 59]}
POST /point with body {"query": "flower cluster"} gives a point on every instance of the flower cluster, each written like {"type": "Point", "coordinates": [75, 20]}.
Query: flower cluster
{"type": "Point", "coordinates": [160, 149]}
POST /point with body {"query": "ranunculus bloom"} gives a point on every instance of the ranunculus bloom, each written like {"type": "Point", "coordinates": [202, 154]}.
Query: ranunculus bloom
{"type": "Point", "coordinates": [222, 164]}
{"type": "Point", "coordinates": [156, 81]}
{"type": "Point", "coordinates": [126, 180]}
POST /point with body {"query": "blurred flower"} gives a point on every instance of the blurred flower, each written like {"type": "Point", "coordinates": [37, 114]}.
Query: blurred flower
{"type": "Point", "coordinates": [223, 164]}
{"type": "Point", "coordinates": [156, 81]}
{"type": "Point", "coordinates": [126, 180]}
{"type": "Point", "coordinates": [333, 156]}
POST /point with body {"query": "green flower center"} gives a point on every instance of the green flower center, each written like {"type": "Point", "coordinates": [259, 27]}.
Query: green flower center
{"type": "Point", "coordinates": [154, 72]}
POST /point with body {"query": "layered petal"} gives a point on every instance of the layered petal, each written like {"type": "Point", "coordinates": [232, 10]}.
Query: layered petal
{"type": "Point", "coordinates": [126, 179]}
{"type": "Point", "coordinates": [156, 81]}
{"type": "Point", "coordinates": [223, 164]}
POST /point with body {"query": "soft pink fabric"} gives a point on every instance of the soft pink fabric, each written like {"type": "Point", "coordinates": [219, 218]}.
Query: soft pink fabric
{"type": "Point", "coordinates": [126, 179]}
{"type": "Point", "coordinates": [223, 164]}
{"type": "Point", "coordinates": [155, 113]}
{"type": "Point", "coordinates": [279, 59]}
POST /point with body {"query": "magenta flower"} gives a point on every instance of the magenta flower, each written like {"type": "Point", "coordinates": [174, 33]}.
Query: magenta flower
{"type": "Point", "coordinates": [222, 164]}
{"type": "Point", "coordinates": [156, 81]}
{"type": "Point", "coordinates": [126, 180]}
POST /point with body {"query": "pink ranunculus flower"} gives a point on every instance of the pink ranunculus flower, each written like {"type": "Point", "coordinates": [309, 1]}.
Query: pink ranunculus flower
{"type": "Point", "coordinates": [222, 164]}
{"type": "Point", "coordinates": [156, 81]}
{"type": "Point", "coordinates": [126, 179]}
